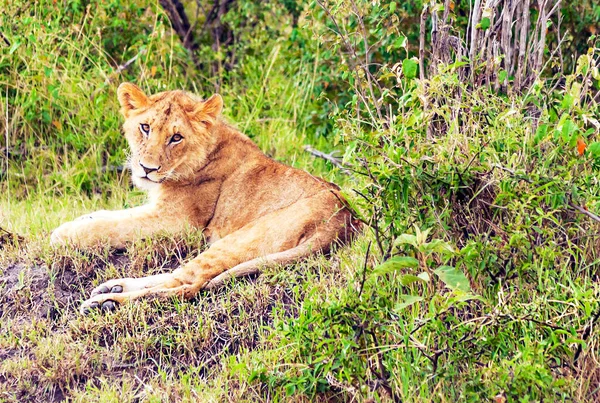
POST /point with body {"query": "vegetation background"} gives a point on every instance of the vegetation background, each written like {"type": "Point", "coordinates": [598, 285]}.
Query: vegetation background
{"type": "Point", "coordinates": [466, 135]}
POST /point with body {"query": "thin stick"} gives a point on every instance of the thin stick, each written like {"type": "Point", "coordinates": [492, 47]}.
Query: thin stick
{"type": "Point", "coordinates": [584, 211]}
{"type": "Point", "coordinates": [117, 71]}
{"type": "Point", "coordinates": [328, 157]}
{"type": "Point", "coordinates": [364, 273]}
{"type": "Point", "coordinates": [6, 134]}
{"type": "Point", "coordinates": [422, 44]}
{"type": "Point", "coordinates": [5, 39]}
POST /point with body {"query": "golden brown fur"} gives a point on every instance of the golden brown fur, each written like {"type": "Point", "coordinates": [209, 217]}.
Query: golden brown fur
{"type": "Point", "coordinates": [202, 173]}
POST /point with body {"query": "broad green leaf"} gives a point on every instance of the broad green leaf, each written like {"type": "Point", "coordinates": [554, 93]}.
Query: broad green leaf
{"type": "Point", "coordinates": [406, 239]}
{"type": "Point", "coordinates": [395, 263]}
{"type": "Point", "coordinates": [393, 6]}
{"type": "Point", "coordinates": [456, 65]}
{"type": "Point", "coordinates": [424, 276]}
{"type": "Point", "coordinates": [484, 24]}
{"type": "Point", "coordinates": [400, 42]}
{"type": "Point", "coordinates": [575, 91]}
{"type": "Point", "coordinates": [410, 67]}
{"type": "Point", "coordinates": [594, 149]}
{"type": "Point", "coordinates": [14, 48]}
{"type": "Point", "coordinates": [453, 278]}
{"type": "Point", "coordinates": [568, 129]}
{"type": "Point", "coordinates": [408, 279]}
{"type": "Point", "coordinates": [421, 235]}
{"type": "Point", "coordinates": [438, 246]}
{"type": "Point", "coordinates": [583, 64]}
{"type": "Point", "coordinates": [407, 300]}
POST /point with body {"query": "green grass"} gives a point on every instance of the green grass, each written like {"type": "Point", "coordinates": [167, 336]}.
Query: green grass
{"type": "Point", "coordinates": [515, 316]}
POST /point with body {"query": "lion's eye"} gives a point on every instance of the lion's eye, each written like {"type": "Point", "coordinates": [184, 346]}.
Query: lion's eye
{"type": "Point", "coordinates": [145, 128]}
{"type": "Point", "coordinates": [176, 138]}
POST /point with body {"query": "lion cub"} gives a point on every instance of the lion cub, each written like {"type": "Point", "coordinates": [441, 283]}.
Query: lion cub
{"type": "Point", "coordinates": [201, 173]}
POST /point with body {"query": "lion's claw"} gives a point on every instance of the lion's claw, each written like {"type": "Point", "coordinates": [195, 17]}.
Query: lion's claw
{"type": "Point", "coordinates": [109, 305]}
{"type": "Point", "coordinates": [102, 290]}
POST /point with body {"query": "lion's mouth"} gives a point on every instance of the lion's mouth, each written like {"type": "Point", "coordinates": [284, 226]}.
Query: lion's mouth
{"type": "Point", "coordinates": [151, 180]}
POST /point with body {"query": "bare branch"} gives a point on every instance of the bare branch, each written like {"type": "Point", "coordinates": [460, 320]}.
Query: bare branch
{"type": "Point", "coordinates": [422, 44]}
{"type": "Point", "coordinates": [328, 157]}
{"type": "Point", "coordinates": [586, 212]}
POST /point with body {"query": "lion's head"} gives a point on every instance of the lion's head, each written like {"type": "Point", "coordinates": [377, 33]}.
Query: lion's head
{"type": "Point", "coordinates": [169, 133]}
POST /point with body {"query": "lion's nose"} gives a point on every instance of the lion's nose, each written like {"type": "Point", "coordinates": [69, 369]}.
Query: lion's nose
{"type": "Point", "coordinates": [149, 169]}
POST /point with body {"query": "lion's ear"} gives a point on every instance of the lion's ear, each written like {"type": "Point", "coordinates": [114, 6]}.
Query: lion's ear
{"type": "Point", "coordinates": [131, 97]}
{"type": "Point", "coordinates": [208, 111]}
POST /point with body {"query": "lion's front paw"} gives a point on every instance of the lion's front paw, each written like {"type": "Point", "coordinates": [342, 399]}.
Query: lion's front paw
{"type": "Point", "coordinates": [77, 233]}
{"type": "Point", "coordinates": [94, 215]}
{"type": "Point", "coordinates": [63, 234]}
{"type": "Point", "coordinates": [102, 302]}
{"type": "Point", "coordinates": [106, 296]}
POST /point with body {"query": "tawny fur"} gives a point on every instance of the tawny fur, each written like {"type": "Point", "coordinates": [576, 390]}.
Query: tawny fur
{"type": "Point", "coordinates": [252, 210]}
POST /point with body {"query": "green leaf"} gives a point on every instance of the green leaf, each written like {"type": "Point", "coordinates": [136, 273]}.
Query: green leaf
{"type": "Point", "coordinates": [408, 279]}
{"type": "Point", "coordinates": [438, 246]}
{"type": "Point", "coordinates": [14, 48]}
{"type": "Point", "coordinates": [568, 129]}
{"type": "Point", "coordinates": [422, 235]}
{"type": "Point", "coordinates": [594, 149]}
{"type": "Point", "coordinates": [395, 263]}
{"type": "Point", "coordinates": [393, 6]}
{"type": "Point", "coordinates": [410, 67]}
{"type": "Point", "coordinates": [540, 133]}
{"type": "Point", "coordinates": [453, 278]}
{"type": "Point", "coordinates": [406, 239]}
{"type": "Point", "coordinates": [484, 24]}
{"type": "Point", "coordinates": [400, 42]}
{"type": "Point", "coordinates": [502, 75]}
{"type": "Point", "coordinates": [567, 101]}
{"type": "Point", "coordinates": [407, 300]}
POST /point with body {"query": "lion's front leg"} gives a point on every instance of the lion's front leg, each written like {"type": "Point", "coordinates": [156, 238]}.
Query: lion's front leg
{"type": "Point", "coordinates": [114, 228]}
{"type": "Point", "coordinates": [262, 239]}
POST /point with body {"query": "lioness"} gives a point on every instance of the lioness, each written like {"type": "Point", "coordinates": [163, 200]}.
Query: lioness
{"type": "Point", "coordinates": [202, 173]}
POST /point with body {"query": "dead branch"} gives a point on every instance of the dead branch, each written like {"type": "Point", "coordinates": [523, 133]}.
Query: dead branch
{"type": "Point", "coordinates": [586, 212]}
{"type": "Point", "coordinates": [181, 25]}
{"type": "Point", "coordinates": [121, 68]}
{"type": "Point", "coordinates": [422, 44]}
{"type": "Point", "coordinates": [328, 157]}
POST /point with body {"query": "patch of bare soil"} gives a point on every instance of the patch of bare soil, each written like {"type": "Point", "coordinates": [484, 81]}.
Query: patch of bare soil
{"type": "Point", "coordinates": [38, 292]}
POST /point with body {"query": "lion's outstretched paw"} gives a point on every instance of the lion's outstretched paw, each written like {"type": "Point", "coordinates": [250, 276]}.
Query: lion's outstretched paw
{"type": "Point", "coordinates": [94, 215]}
{"type": "Point", "coordinates": [93, 304]}
{"type": "Point", "coordinates": [56, 238]}
{"type": "Point", "coordinates": [63, 234]}
{"type": "Point", "coordinates": [72, 232]}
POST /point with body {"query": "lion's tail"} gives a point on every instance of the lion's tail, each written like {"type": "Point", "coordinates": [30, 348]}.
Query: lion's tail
{"type": "Point", "coordinates": [254, 266]}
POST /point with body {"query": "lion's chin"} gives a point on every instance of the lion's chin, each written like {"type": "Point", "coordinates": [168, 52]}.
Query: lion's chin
{"type": "Point", "coordinates": [145, 183]}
